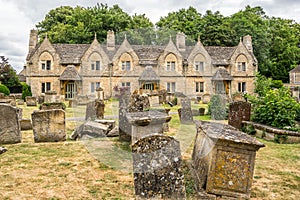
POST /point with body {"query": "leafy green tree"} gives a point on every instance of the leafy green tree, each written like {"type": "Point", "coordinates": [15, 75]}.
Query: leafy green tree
{"type": "Point", "coordinates": [26, 90]}
{"type": "Point", "coordinates": [8, 75]}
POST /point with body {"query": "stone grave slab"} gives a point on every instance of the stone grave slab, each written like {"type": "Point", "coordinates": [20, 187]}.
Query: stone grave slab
{"type": "Point", "coordinates": [49, 125]}
{"type": "Point", "coordinates": [157, 168]}
{"type": "Point", "coordinates": [186, 115]}
{"type": "Point", "coordinates": [10, 129]}
{"type": "Point", "coordinates": [223, 159]}
{"type": "Point", "coordinates": [239, 111]}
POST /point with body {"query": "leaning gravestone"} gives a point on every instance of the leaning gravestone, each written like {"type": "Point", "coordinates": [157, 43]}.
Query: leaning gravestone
{"type": "Point", "coordinates": [186, 116]}
{"type": "Point", "coordinates": [223, 161]}
{"type": "Point", "coordinates": [30, 101]}
{"type": "Point", "coordinates": [157, 168]}
{"type": "Point", "coordinates": [90, 112]}
{"type": "Point", "coordinates": [125, 129]}
{"type": "Point", "coordinates": [239, 111]}
{"type": "Point", "coordinates": [49, 125]}
{"type": "Point", "coordinates": [10, 129]}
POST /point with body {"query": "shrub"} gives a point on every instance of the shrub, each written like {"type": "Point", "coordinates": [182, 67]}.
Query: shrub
{"type": "Point", "coordinates": [4, 89]}
{"type": "Point", "coordinates": [217, 108]}
{"type": "Point", "coordinates": [277, 108]}
{"type": "Point", "coordinates": [26, 90]}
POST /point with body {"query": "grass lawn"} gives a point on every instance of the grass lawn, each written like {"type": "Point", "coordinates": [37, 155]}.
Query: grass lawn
{"type": "Point", "coordinates": [102, 169]}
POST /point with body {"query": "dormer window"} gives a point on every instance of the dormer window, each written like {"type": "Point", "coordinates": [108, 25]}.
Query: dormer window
{"type": "Point", "coordinates": [199, 66]}
{"type": "Point", "coordinates": [171, 66]}
{"type": "Point", "coordinates": [95, 65]}
{"type": "Point", "coordinates": [126, 65]}
{"type": "Point", "coordinates": [242, 66]}
{"type": "Point", "coordinates": [46, 64]}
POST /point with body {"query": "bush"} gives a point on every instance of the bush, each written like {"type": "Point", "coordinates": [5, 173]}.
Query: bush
{"type": "Point", "coordinates": [4, 89]}
{"type": "Point", "coordinates": [277, 108]}
{"type": "Point", "coordinates": [26, 90]}
{"type": "Point", "coordinates": [217, 108]}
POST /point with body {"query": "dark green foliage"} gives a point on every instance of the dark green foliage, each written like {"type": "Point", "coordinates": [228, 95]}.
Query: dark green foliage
{"type": "Point", "coordinates": [217, 108]}
{"type": "Point", "coordinates": [26, 90]}
{"type": "Point", "coordinates": [249, 130]}
{"type": "Point", "coordinates": [8, 75]}
{"type": "Point", "coordinates": [276, 108]}
{"type": "Point", "coordinates": [66, 24]}
{"type": "Point", "coordinates": [4, 89]}
{"type": "Point", "coordinates": [276, 84]}
{"type": "Point", "coordinates": [275, 41]}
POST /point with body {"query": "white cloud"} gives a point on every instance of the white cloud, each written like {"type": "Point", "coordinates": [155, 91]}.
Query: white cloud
{"type": "Point", "coordinates": [19, 16]}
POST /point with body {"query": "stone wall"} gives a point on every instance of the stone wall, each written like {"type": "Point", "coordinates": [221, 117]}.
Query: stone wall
{"type": "Point", "coordinates": [10, 129]}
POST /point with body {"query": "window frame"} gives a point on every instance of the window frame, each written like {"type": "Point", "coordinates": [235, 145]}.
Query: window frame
{"type": "Point", "coordinates": [171, 87]}
{"type": "Point", "coordinates": [199, 87]}
{"type": "Point", "coordinates": [171, 65]}
{"type": "Point", "coordinates": [126, 65]}
{"type": "Point", "coordinates": [199, 66]}
{"type": "Point", "coordinates": [242, 66]}
{"type": "Point", "coordinates": [45, 86]}
{"type": "Point", "coordinates": [242, 87]}
{"type": "Point", "coordinates": [46, 65]}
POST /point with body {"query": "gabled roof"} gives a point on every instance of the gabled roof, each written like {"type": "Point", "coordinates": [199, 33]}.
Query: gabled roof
{"type": "Point", "coordinates": [296, 69]}
{"type": "Point", "coordinates": [148, 75]}
{"type": "Point", "coordinates": [70, 53]}
{"type": "Point", "coordinates": [148, 55]}
{"type": "Point", "coordinates": [222, 75]}
{"type": "Point", "coordinates": [70, 73]}
{"type": "Point", "coordinates": [220, 55]}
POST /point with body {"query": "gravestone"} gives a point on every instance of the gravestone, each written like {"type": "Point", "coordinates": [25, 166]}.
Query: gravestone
{"type": "Point", "coordinates": [73, 103]}
{"type": "Point", "coordinates": [26, 124]}
{"type": "Point", "coordinates": [135, 103]}
{"type": "Point", "coordinates": [206, 98]}
{"type": "Point", "coordinates": [186, 116]}
{"type": "Point", "coordinates": [146, 123]}
{"type": "Point", "coordinates": [125, 129]}
{"type": "Point", "coordinates": [239, 111]}
{"type": "Point", "coordinates": [157, 168]}
{"type": "Point", "coordinates": [49, 125]}
{"type": "Point", "coordinates": [10, 129]}
{"type": "Point", "coordinates": [50, 96]}
{"type": "Point", "coordinates": [41, 99]}
{"type": "Point", "coordinates": [90, 129]}
{"type": "Point", "coordinates": [50, 106]}
{"type": "Point", "coordinates": [99, 108]}
{"type": "Point", "coordinates": [30, 101]}
{"type": "Point", "coordinates": [21, 102]}
{"type": "Point", "coordinates": [223, 160]}
{"type": "Point", "coordinates": [162, 96]}
{"type": "Point", "coordinates": [90, 112]}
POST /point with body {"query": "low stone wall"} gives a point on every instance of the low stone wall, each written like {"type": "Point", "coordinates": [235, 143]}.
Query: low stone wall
{"type": "Point", "coordinates": [272, 133]}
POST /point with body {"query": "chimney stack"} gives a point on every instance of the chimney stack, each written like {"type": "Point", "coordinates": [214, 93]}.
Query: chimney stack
{"type": "Point", "coordinates": [110, 41]}
{"type": "Point", "coordinates": [180, 41]}
{"type": "Point", "coordinates": [247, 41]}
{"type": "Point", "coordinates": [33, 39]}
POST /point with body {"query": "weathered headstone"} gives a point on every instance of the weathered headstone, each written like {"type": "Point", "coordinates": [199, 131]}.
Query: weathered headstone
{"type": "Point", "coordinates": [99, 108]}
{"type": "Point", "coordinates": [90, 129]}
{"type": "Point", "coordinates": [135, 103]}
{"type": "Point", "coordinates": [162, 96]}
{"type": "Point", "coordinates": [206, 98]}
{"type": "Point", "coordinates": [186, 116]}
{"type": "Point", "coordinates": [73, 103]}
{"type": "Point", "coordinates": [49, 125]}
{"type": "Point", "coordinates": [26, 124]}
{"type": "Point", "coordinates": [90, 112]}
{"type": "Point", "coordinates": [223, 160]}
{"type": "Point", "coordinates": [10, 129]}
{"type": "Point", "coordinates": [239, 111]}
{"type": "Point", "coordinates": [30, 101]}
{"type": "Point", "coordinates": [125, 129]}
{"type": "Point", "coordinates": [146, 123]}
{"type": "Point", "coordinates": [157, 168]}
{"type": "Point", "coordinates": [50, 106]}
{"type": "Point", "coordinates": [21, 102]}
{"type": "Point", "coordinates": [50, 96]}
{"type": "Point", "coordinates": [41, 99]}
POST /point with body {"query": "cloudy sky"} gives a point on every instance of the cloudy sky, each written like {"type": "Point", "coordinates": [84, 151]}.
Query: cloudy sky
{"type": "Point", "coordinates": [18, 17]}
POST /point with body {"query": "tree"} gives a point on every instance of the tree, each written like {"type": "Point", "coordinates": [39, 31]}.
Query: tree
{"type": "Point", "coordinates": [8, 76]}
{"type": "Point", "coordinates": [79, 25]}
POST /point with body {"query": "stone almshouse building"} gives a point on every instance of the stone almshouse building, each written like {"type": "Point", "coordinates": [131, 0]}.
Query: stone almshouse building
{"type": "Point", "coordinates": [78, 69]}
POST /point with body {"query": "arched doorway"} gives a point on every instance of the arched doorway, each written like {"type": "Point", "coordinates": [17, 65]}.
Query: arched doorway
{"type": "Point", "coordinates": [70, 90]}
